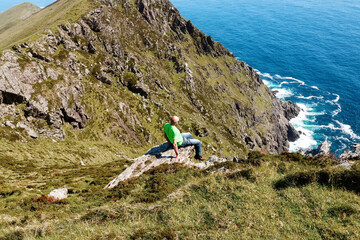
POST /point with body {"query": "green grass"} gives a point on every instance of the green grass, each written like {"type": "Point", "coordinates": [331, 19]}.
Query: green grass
{"type": "Point", "coordinates": [16, 14]}
{"type": "Point", "coordinates": [173, 201]}
{"type": "Point", "coordinates": [50, 17]}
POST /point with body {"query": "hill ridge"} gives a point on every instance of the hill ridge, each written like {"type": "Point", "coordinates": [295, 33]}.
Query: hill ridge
{"type": "Point", "coordinates": [16, 14]}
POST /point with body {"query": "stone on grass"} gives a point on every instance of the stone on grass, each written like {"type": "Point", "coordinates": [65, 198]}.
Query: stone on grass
{"type": "Point", "coordinates": [58, 194]}
{"type": "Point", "coordinates": [162, 155]}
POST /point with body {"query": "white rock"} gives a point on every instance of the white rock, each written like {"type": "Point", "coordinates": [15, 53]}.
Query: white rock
{"type": "Point", "coordinates": [159, 155]}
{"type": "Point", "coordinates": [346, 164]}
{"type": "Point", "coordinates": [59, 194]}
{"type": "Point", "coordinates": [9, 124]}
{"type": "Point", "coordinates": [31, 132]}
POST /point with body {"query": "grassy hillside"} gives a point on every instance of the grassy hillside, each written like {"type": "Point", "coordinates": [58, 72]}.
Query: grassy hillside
{"type": "Point", "coordinates": [48, 18]}
{"type": "Point", "coordinates": [16, 14]}
{"type": "Point", "coordinates": [264, 197]}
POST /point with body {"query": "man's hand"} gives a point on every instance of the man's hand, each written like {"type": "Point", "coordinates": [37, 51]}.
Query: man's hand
{"type": "Point", "coordinates": [177, 158]}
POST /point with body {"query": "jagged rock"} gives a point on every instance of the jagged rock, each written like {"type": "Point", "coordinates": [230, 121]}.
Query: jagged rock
{"type": "Point", "coordinates": [353, 153]}
{"type": "Point", "coordinates": [292, 134]}
{"type": "Point", "coordinates": [9, 124]}
{"type": "Point", "coordinates": [37, 109]}
{"type": "Point", "coordinates": [103, 77]}
{"type": "Point", "coordinates": [346, 164]}
{"type": "Point", "coordinates": [291, 110]}
{"type": "Point", "coordinates": [213, 158]}
{"type": "Point", "coordinates": [59, 194]}
{"type": "Point", "coordinates": [221, 170]}
{"type": "Point", "coordinates": [30, 131]}
{"type": "Point", "coordinates": [54, 133]}
{"type": "Point", "coordinates": [322, 150]}
{"type": "Point", "coordinates": [160, 155]}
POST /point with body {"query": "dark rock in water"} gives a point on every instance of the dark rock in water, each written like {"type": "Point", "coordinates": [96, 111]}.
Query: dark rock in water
{"type": "Point", "coordinates": [352, 154]}
{"type": "Point", "coordinates": [292, 134]}
{"type": "Point", "coordinates": [322, 150]}
{"type": "Point", "coordinates": [291, 110]}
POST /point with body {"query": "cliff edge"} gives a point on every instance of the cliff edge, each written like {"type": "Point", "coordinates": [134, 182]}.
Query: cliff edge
{"type": "Point", "coordinates": [118, 69]}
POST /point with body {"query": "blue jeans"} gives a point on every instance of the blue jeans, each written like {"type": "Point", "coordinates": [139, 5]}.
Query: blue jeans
{"type": "Point", "coordinates": [189, 141]}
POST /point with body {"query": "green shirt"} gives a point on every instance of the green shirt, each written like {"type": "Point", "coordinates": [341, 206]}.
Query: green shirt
{"type": "Point", "coordinates": [173, 133]}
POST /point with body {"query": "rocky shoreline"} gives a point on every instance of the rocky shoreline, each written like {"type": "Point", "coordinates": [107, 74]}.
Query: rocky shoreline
{"type": "Point", "coordinates": [345, 160]}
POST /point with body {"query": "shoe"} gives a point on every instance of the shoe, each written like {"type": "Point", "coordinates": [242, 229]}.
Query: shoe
{"type": "Point", "coordinates": [201, 158]}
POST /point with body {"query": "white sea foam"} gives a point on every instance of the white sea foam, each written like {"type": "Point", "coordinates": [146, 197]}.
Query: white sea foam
{"type": "Point", "coordinates": [337, 98]}
{"type": "Point", "coordinates": [316, 113]}
{"type": "Point", "coordinates": [337, 111]}
{"type": "Point", "coordinates": [285, 82]}
{"type": "Point", "coordinates": [341, 138]}
{"type": "Point", "coordinates": [266, 75]}
{"type": "Point", "coordinates": [347, 130]}
{"type": "Point", "coordinates": [283, 93]}
{"type": "Point", "coordinates": [314, 87]}
{"type": "Point", "coordinates": [335, 102]}
{"type": "Point", "coordinates": [266, 82]}
{"type": "Point", "coordinates": [306, 139]}
{"type": "Point", "coordinates": [289, 78]}
{"type": "Point", "coordinates": [310, 97]}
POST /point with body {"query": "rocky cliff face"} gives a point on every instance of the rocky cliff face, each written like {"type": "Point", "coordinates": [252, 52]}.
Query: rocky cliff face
{"type": "Point", "coordinates": [123, 68]}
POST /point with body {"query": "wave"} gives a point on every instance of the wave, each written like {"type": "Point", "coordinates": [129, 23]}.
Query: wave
{"type": "Point", "coordinates": [337, 111]}
{"type": "Point", "coordinates": [285, 82]}
{"type": "Point", "coordinates": [345, 128]}
{"type": "Point", "coordinates": [337, 97]}
{"type": "Point", "coordinates": [306, 139]}
{"type": "Point", "coordinates": [282, 93]}
{"type": "Point", "coordinates": [310, 97]}
{"type": "Point", "coordinates": [266, 75]}
{"type": "Point", "coordinates": [289, 78]}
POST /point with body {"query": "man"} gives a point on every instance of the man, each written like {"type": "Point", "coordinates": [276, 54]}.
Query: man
{"type": "Point", "coordinates": [176, 140]}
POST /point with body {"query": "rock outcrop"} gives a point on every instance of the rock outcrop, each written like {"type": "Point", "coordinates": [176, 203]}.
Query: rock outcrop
{"type": "Point", "coordinates": [352, 154]}
{"type": "Point", "coordinates": [322, 150]}
{"type": "Point", "coordinates": [161, 155]}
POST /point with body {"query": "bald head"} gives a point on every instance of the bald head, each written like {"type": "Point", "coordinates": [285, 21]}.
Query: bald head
{"type": "Point", "coordinates": [174, 120]}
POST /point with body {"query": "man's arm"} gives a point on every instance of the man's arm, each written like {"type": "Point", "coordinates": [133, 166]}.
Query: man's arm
{"type": "Point", "coordinates": [176, 150]}
{"type": "Point", "coordinates": [174, 144]}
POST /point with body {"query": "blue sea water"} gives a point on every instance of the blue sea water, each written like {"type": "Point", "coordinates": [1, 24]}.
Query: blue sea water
{"type": "Point", "coordinates": [309, 51]}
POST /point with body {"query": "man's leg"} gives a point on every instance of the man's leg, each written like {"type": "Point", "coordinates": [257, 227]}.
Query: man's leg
{"type": "Point", "coordinates": [187, 136]}
{"type": "Point", "coordinates": [193, 142]}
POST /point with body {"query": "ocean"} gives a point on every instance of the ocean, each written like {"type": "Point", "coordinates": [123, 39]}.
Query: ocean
{"type": "Point", "coordinates": [308, 51]}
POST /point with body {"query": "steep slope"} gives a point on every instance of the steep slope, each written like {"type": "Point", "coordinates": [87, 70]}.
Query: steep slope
{"type": "Point", "coordinates": [118, 72]}
{"type": "Point", "coordinates": [16, 14]}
